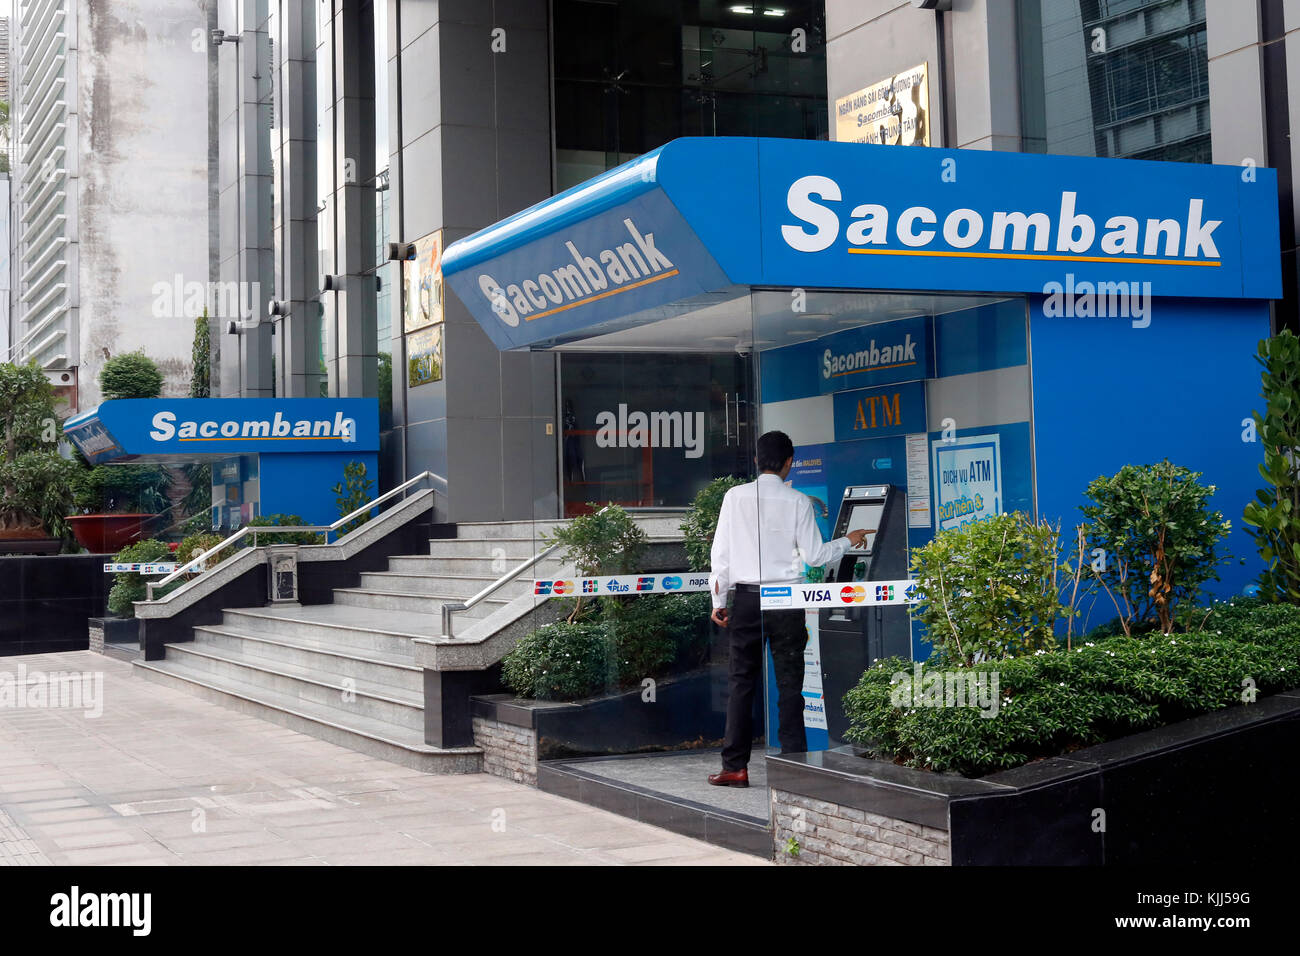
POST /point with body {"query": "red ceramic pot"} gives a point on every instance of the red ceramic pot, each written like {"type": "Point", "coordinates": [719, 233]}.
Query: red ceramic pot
{"type": "Point", "coordinates": [107, 534]}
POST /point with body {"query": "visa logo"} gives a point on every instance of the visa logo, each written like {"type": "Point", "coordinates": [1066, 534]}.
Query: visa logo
{"type": "Point", "coordinates": [816, 594]}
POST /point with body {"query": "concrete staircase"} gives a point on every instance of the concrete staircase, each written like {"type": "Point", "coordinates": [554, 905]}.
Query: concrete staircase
{"type": "Point", "coordinates": [346, 672]}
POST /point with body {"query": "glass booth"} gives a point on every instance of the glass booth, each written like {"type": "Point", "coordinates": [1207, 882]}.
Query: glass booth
{"type": "Point", "coordinates": [897, 313]}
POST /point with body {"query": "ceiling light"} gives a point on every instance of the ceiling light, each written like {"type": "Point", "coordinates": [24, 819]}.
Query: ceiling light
{"type": "Point", "coordinates": [741, 9]}
{"type": "Point", "coordinates": [773, 12]}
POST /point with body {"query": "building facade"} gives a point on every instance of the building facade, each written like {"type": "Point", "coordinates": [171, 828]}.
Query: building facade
{"type": "Point", "coordinates": [110, 187]}
{"type": "Point", "coordinates": [359, 140]}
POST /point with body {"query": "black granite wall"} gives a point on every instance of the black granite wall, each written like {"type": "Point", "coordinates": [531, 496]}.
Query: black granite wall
{"type": "Point", "coordinates": [45, 601]}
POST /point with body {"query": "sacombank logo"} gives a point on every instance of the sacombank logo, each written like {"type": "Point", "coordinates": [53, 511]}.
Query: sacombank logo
{"type": "Point", "coordinates": [279, 428]}
{"type": "Point", "coordinates": [620, 268]}
{"type": "Point", "coordinates": [1065, 234]}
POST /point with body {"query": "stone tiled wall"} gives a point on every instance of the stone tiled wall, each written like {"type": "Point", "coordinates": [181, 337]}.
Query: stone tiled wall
{"type": "Point", "coordinates": [96, 636]}
{"type": "Point", "coordinates": [508, 751]}
{"type": "Point", "coordinates": [832, 835]}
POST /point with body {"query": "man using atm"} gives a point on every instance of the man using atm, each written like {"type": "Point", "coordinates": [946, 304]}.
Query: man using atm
{"type": "Point", "coordinates": [766, 534]}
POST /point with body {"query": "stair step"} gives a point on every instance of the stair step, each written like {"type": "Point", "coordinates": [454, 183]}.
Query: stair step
{"type": "Point", "coordinates": [512, 550]}
{"type": "Point", "coordinates": [331, 660]}
{"type": "Point", "coordinates": [461, 585]}
{"type": "Point", "coordinates": [402, 708]}
{"type": "Point", "coordinates": [430, 604]}
{"type": "Point", "coordinates": [484, 565]}
{"type": "Point", "coordinates": [350, 628]}
{"type": "Point", "coordinates": [368, 736]}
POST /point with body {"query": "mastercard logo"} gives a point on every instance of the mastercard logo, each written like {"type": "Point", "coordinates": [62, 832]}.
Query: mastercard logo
{"type": "Point", "coordinates": [853, 594]}
{"type": "Point", "coordinates": [564, 587]}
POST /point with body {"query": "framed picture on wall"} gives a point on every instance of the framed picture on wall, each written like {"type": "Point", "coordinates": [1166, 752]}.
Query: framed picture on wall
{"type": "Point", "coordinates": [423, 279]}
{"type": "Point", "coordinates": [424, 356]}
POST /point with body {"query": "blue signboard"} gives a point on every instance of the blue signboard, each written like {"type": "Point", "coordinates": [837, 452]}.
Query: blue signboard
{"type": "Point", "coordinates": [874, 355]}
{"type": "Point", "coordinates": [699, 215]}
{"type": "Point", "coordinates": [192, 427]}
{"type": "Point", "coordinates": [880, 412]}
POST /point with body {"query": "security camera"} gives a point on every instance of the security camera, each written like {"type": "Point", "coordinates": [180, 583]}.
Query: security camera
{"type": "Point", "coordinates": [932, 4]}
{"type": "Point", "coordinates": [277, 307]}
{"type": "Point", "coordinates": [331, 283]}
{"type": "Point", "coordinates": [232, 327]}
{"type": "Point", "coordinates": [401, 250]}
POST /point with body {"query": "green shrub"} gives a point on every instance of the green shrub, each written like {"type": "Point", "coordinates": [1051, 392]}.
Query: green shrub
{"type": "Point", "coordinates": [122, 489]}
{"type": "Point", "coordinates": [35, 482]}
{"type": "Point", "coordinates": [130, 375]}
{"type": "Point", "coordinates": [195, 544]}
{"type": "Point", "coordinates": [642, 641]}
{"type": "Point", "coordinates": [129, 586]}
{"type": "Point", "coordinates": [351, 493]}
{"type": "Point", "coordinates": [282, 521]}
{"type": "Point", "coordinates": [607, 541]}
{"type": "Point", "coordinates": [1159, 535]}
{"type": "Point", "coordinates": [1054, 702]}
{"type": "Point", "coordinates": [990, 589]}
{"type": "Point", "coordinates": [702, 521]}
{"type": "Point", "coordinates": [1274, 516]}
{"type": "Point", "coordinates": [560, 661]}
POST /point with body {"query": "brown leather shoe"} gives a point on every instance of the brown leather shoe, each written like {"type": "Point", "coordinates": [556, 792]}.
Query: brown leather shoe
{"type": "Point", "coordinates": [730, 778]}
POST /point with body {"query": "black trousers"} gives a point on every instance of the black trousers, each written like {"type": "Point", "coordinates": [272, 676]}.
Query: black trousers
{"type": "Point", "coordinates": [786, 633]}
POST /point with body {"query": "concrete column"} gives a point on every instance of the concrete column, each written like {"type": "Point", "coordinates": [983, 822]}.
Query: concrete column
{"type": "Point", "coordinates": [247, 256]}
{"type": "Point", "coordinates": [472, 145]}
{"type": "Point", "coordinates": [298, 332]}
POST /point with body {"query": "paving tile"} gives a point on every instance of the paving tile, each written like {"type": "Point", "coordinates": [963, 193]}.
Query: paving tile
{"type": "Point", "coordinates": [123, 790]}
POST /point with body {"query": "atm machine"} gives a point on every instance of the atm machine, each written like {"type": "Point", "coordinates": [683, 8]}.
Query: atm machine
{"type": "Point", "coordinates": [853, 638]}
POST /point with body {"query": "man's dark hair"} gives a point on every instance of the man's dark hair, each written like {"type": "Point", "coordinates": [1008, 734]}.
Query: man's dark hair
{"type": "Point", "coordinates": [773, 450]}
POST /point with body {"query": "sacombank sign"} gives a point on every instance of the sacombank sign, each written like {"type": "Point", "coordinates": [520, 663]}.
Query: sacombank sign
{"type": "Point", "coordinates": [1066, 233]}
{"type": "Point", "coordinates": [166, 427]}
{"type": "Point", "coordinates": [580, 278]}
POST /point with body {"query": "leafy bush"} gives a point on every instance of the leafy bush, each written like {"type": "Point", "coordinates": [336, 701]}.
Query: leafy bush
{"type": "Point", "coordinates": [130, 375]}
{"type": "Point", "coordinates": [1054, 702]}
{"type": "Point", "coordinates": [1159, 534]}
{"type": "Point", "coordinates": [351, 493]}
{"type": "Point", "coordinates": [607, 541]}
{"type": "Point", "coordinates": [35, 482]}
{"type": "Point", "coordinates": [195, 544]}
{"type": "Point", "coordinates": [122, 489]}
{"type": "Point", "coordinates": [283, 521]}
{"type": "Point", "coordinates": [1275, 514]}
{"type": "Point", "coordinates": [702, 521]}
{"type": "Point", "coordinates": [989, 590]}
{"type": "Point", "coordinates": [129, 586]}
{"type": "Point", "coordinates": [560, 661]}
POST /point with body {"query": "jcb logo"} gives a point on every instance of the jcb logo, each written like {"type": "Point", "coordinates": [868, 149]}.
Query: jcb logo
{"type": "Point", "coordinates": [884, 592]}
{"type": "Point", "coordinates": [853, 594]}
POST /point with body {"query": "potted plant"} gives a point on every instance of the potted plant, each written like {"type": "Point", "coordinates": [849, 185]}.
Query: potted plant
{"type": "Point", "coordinates": [117, 503]}
{"type": "Point", "coordinates": [35, 490]}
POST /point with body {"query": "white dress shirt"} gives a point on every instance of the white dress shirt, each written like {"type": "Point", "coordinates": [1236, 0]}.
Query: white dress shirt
{"type": "Point", "coordinates": [766, 534]}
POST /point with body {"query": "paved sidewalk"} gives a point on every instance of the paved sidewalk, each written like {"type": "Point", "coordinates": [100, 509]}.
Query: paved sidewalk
{"type": "Point", "coordinates": [166, 778]}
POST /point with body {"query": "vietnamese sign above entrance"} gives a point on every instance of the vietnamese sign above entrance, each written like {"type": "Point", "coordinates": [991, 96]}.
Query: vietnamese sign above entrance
{"type": "Point", "coordinates": [893, 112]}
{"type": "Point", "coordinates": [701, 216]}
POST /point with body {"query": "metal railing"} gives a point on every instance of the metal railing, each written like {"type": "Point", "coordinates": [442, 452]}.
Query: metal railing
{"type": "Point", "coordinates": [439, 484]}
{"type": "Point", "coordinates": [449, 609]}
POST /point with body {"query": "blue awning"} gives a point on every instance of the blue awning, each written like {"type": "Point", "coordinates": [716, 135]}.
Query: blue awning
{"type": "Point", "coordinates": [703, 216]}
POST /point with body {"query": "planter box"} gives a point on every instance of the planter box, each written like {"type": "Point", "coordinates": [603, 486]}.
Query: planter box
{"type": "Point", "coordinates": [1216, 789]}
{"type": "Point", "coordinates": [112, 630]}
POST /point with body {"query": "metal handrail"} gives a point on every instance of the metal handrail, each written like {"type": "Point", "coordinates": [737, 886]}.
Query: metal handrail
{"type": "Point", "coordinates": [292, 529]}
{"type": "Point", "coordinates": [498, 584]}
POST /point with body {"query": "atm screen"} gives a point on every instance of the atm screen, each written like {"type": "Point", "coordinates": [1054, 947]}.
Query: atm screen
{"type": "Point", "coordinates": [866, 516]}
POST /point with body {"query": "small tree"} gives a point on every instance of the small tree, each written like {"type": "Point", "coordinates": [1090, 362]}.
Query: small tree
{"type": "Point", "coordinates": [1159, 534]}
{"type": "Point", "coordinates": [200, 381]}
{"type": "Point", "coordinates": [351, 493]}
{"type": "Point", "coordinates": [35, 481]}
{"type": "Point", "coordinates": [702, 521]}
{"type": "Point", "coordinates": [607, 541]}
{"type": "Point", "coordinates": [990, 589]}
{"type": "Point", "coordinates": [130, 375]}
{"type": "Point", "coordinates": [1275, 514]}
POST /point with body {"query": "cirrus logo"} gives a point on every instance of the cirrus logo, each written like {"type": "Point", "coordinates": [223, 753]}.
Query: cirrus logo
{"type": "Point", "coordinates": [672, 583]}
